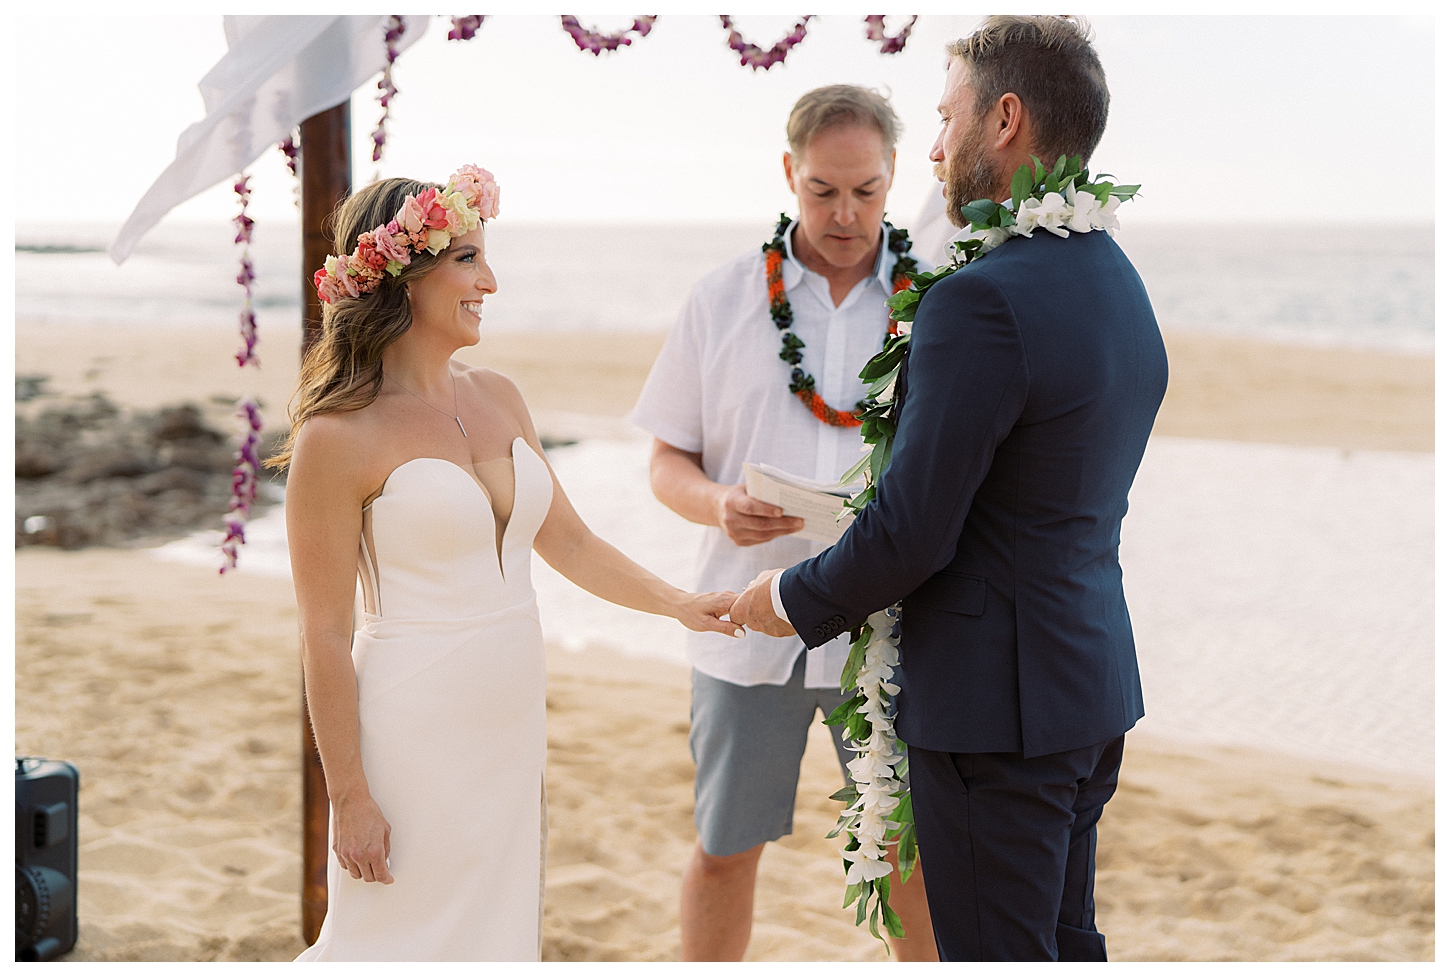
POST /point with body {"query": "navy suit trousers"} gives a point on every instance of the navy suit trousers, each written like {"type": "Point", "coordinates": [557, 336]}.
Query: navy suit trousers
{"type": "Point", "coordinates": [1008, 848]}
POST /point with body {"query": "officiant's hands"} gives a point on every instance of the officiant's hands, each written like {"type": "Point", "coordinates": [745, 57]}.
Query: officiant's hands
{"type": "Point", "coordinates": [756, 610]}
{"type": "Point", "coordinates": [680, 482]}
{"type": "Point", "coordinates": [749, 521]}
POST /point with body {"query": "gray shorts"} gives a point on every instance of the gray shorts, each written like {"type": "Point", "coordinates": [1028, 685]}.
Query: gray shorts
{"type": "Point", "coordinates": [747, 742]}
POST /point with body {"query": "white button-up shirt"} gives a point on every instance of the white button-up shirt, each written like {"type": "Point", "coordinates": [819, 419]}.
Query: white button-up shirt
{"type": "Point", "coordinates": [720, 388]}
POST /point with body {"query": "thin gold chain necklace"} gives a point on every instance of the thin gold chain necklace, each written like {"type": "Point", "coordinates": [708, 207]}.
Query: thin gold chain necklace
{"type": "Point", "coordinates": [425, 403]}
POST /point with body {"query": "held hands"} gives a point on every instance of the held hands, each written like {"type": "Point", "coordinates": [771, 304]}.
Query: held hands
{"type": "Point", "coordinates": [704, 612]}
{"type": "Point", "coordinates": [749, 521]}
{"type": "Point", "coordinates": [362, 838]}
{"type": "Point", "coordinates": [756, 610]}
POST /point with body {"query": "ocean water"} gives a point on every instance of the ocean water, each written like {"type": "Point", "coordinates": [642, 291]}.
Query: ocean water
{"type": "Point", "coordinates": [1309, 284]}
{"type": "Point", "coordinates": [1262, 617]}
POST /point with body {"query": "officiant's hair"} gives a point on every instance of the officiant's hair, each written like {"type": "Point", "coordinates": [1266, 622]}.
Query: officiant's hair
{"type": "Point", "coordinates": [1050, 64]}
{"type": "Point", "coordinates": [837, 105]}
{"type": "Point", "coordinates": [343, 369]}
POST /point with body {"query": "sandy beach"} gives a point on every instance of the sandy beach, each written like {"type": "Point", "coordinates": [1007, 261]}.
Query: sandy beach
{"type": "Point", "coordinates": [179, 695]}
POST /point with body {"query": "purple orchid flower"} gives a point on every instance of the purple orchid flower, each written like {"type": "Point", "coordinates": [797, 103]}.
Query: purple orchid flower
{"type": "Point", "coordinates": [246, 471]}
{"type": "Point", "coordinates": [465, 27]}
{"type": "Point", "coordinates": [596, 42]}
{"type": "Point", "coordinates": [288, 148]}
{"type": "Point", "coordinates": [247, 466]}
{"type": "Point", "coordinates": [876, 31]}
{"type": "Point", "coordinates": [394, 33]}
{"type": "Point", "coordinates": [754, 57]}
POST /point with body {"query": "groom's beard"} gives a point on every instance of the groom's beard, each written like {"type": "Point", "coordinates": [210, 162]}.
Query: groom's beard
{"type": "Point", "coordinates": [970, 175]}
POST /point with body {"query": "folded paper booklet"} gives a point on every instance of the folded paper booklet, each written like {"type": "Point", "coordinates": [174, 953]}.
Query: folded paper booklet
{"type": "Point", "coordinates": [818, 503]}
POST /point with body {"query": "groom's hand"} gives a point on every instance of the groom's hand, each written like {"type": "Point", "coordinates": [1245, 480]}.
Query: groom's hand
{"type": "Point", "coordinates": [756, 610]}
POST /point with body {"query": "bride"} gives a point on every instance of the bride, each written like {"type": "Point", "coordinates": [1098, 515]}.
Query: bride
{"type": "Point", "coordinates": [424, 478]}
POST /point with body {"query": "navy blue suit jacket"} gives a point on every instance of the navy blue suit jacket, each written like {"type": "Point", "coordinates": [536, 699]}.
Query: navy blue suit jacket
{"type": "Point", "coordinates": [1034, 376]}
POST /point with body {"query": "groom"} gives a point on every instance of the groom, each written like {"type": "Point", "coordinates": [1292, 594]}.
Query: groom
{"type": "Point", "coordinates": [1035, 374]}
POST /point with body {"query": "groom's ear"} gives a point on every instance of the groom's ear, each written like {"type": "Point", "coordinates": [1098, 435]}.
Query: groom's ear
{"type": "Point", "coordinates": [786, 162]}
{"type": "Point", "coordinates": [1009, 122]}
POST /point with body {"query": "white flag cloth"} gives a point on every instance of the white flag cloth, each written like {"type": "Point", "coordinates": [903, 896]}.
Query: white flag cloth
{"type": "Point", "coordinates": [277, 71]}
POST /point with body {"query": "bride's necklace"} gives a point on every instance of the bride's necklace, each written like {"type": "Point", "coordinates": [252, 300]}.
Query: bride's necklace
{"type": "Point", "coordinates": [802, 384]}
{"type": "Point", "coordinates": [457, 420]}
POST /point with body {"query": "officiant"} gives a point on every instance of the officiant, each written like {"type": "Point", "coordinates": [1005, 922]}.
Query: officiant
{"type": "Point", "coordinates": [762, 366]}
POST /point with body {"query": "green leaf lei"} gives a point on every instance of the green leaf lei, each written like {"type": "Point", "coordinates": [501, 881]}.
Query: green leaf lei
{"type": "Point", "coordinates": [802, 384]}
{"type": "Point", "coordinates": [991, 223]}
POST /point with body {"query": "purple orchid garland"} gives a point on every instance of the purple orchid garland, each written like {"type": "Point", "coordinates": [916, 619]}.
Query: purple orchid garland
{"type": "Point", "coordinates": [245, 277]}
{"type": "Point", "coordinates": [244, 484]}
{"type": "Point", "coordinates": [247, 466]}
{"type": "Point", "coordinates": [754, 57]}
{"type": "Point", "coordinates": [289, 148]}
{"type": "Point", "coordinates": [596, 43]}
{"type": "Point", "coordinates": [876, 31]}
{"type": "Point", "coordinates": [465, 27]}
{"type": "Point", "coordinates": [394, 33]}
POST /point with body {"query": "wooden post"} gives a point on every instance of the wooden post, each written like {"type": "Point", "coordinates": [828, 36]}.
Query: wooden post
{"type": "Point", "coordinates": [326, 167]}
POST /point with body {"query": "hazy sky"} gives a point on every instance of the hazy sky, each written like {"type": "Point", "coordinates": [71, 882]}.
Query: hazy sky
{"type": "Point", "coordinates": [1221, 118]}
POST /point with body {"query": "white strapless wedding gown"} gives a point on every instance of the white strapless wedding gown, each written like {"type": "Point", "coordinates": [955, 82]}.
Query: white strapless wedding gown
{"type": "Point", "coordinates": [450, 674]}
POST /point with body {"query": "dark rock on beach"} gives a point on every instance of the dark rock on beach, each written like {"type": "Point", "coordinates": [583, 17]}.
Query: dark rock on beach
{"type": "Point", "coordinates": [89, 473]}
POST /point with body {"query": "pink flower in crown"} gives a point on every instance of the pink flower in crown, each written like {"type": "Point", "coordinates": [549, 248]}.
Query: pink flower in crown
{"type": "Point", "coordinates": [410, 216]}
{"type": "Point", "coordinates": [368, 253]}
{"type": "Point", "coordinates": [470, 181]}
{"type": "Point", "coordinates": [488, 202]}
{"type": "Point", "coordinates": [336, 267]}
{"type": "Point", "coordinates": [390, 249]}
{"type": "Point", "coordinates": [357, 269]}
{"type": "Point", "coordinates": [327, 289]}
{"type": "Point", "coordinates": [435, 216]}
{"type": "Point", "coordinates": [422, 213]}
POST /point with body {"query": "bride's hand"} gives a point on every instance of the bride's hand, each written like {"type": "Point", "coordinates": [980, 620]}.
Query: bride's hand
{"type": "Point", "coordinates": [702, 612]}
{"type": "Point", "coordinates": [362, 839]}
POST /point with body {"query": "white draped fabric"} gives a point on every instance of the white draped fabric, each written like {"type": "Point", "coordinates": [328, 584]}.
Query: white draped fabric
{"type": "Point", "coordinates": [278, 71]}
{"type": "Point", "coordinates": [931, 231]}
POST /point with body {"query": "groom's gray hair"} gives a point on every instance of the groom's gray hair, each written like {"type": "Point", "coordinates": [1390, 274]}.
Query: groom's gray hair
{"type": "Point", "coordinates": [1050, 64]}
{"type": "Point", "coordinates": [837, 105]}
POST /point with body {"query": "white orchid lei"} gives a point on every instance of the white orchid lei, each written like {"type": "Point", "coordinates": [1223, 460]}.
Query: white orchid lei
{"type": "Point", "coordinates": [878, 812]}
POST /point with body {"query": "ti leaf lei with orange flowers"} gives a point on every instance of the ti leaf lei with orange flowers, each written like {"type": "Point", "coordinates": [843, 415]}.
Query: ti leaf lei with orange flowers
{"type": "Point", "coordinates": [878, 811]}
{"type": "Point", "coordinates": [802, 384]}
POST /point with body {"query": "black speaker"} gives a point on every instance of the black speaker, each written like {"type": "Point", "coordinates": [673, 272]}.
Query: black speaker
{"type": "Point", "coordinates": [46, 792]}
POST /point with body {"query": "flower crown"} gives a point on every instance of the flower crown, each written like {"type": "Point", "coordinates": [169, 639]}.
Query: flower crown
{"type": "Point", "coordinates": [426, 222]}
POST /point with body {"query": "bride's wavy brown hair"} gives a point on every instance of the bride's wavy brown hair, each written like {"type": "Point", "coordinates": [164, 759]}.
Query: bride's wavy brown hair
{"type": "Point", "coordinates": [343, 370]}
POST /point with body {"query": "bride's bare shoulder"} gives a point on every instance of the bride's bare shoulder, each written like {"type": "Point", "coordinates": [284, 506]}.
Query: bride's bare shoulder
{"type": "Point", "coordinates": [491, 384]}
{"type": "Point", "coordinates": [335, 438]}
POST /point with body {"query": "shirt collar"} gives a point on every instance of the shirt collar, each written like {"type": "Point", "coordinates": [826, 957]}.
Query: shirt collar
{"type": "Point", "coordinates": [792, 271]}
